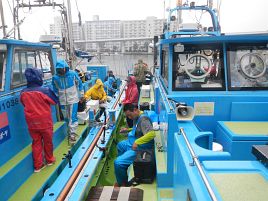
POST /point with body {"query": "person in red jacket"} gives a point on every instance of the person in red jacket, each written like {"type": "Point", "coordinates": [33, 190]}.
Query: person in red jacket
{"type": "Point", "coordinates": [37, 100]}
{"type": "Point", "coordinates": [132, 96]}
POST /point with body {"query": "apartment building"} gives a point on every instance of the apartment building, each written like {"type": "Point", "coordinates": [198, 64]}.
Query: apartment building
{"type": "Point", "coordinates": [113, 29]}
{"type": "Point", "coordinates": [102, 29]}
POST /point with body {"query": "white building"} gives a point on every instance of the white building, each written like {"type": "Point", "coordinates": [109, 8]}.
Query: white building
{"type": "Point", "coordinates": [149, 27]}
{"type": "Point", "coordinates": [113, 29]}
{"type": "Point", "coordinates": [57, 27]}
{"type": "Point", "coordinates": [103, 29]}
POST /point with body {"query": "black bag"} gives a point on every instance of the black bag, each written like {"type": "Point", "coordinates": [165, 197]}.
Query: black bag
{"type": "Point", "coordinates": [144, 167]}
{"type": "Point", "coordinates": [81, 106]}
{"type": "Point", "coordinates": [144, 106]}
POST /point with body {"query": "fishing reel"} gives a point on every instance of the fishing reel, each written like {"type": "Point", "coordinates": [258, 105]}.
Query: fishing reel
{"type": "Point", "coordinates": [252, 66]}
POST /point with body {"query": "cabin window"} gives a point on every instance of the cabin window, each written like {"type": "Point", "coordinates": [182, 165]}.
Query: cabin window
{"type": "Point", "coordinates": [44, 64]}
{"type": "Point", "coordinates": [2, 66]}
{"type": "Point", "coordinates": [30, 59]}
{"type": "Point", "coordinates": [197, 67]}
{"type": "Point", "coordinates": [164, 69]}
{"type": "Point", "coordinates": [247, 66]}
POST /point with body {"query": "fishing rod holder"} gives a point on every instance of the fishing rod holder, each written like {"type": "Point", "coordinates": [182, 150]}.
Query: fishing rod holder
{"type": "Point", "coordinates": [69, 157]}
{"type": "Point", "coordinates": [103, 149]}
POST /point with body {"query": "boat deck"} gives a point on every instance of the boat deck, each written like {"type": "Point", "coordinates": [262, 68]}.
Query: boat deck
{"type": "Point", "coordinates": [37, 181]}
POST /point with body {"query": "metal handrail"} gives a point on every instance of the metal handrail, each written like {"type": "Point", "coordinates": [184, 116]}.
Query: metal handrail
{"type": "Point", "coordinates": [198, 165]}
{"type": "Point", "coordinates": [164, 93]}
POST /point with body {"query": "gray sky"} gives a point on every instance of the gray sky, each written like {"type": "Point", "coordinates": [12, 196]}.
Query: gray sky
{"type": "Point", "coordinates": [235, 15]}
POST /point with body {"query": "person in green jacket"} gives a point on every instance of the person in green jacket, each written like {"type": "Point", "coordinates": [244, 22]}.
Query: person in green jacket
{"type": "Point", "coordinates": [140, 137]}
{"type": "Point", "coordinates": [140, 70]}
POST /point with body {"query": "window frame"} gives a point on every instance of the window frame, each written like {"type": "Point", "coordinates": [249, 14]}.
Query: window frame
{"type": "Point", "coordinates": [26, 50]}
{"type": "Point", "coordinates": [165, 68]}
{"type": "Point", "coordinates": [203, 47]}
{"type": "Point", "coordinates": [3, 76]}
{"type": "Point", "coordinates": [239, 47]}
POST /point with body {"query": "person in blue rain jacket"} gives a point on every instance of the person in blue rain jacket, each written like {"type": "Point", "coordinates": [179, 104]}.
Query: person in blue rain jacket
{"type": "Point", "coordinates": [108, 86]}
{"type": "Point", "coordinates": [68, 86]}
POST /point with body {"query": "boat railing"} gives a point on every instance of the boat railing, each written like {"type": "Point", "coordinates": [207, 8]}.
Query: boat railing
{"type": "Point", "coordinates": [76, 174]}
{"type": "Point", "coordinates": [213, 31]}
{"type": "Point", "coordinates": [171, 108]}
{"type": "Point", "coordinates": [198, 165]}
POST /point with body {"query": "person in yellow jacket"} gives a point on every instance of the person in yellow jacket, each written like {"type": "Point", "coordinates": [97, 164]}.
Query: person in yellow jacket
{"type": "Point", "coordinates": [96, 92]}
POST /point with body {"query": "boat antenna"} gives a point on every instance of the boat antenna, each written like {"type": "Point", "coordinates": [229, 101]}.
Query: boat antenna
{"type": "Point", "coordinates": [79, 14]}
{"type": "Point", "coordinates": [37, 3]}
{"type": "Point", "coordinates": [70, 33]}
{"type": "Point", "coordinates": [2, 19]}
{"type": "Point", "coordinates": [219, 10]}
{"type": "Point", "coordinates": [210, 4]}
{"type": "Point", "coordinates": [45, 3]}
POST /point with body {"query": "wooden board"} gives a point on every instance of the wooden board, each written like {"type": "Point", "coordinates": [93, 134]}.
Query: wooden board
{"type": "Point", "coordinates": [110, 193]}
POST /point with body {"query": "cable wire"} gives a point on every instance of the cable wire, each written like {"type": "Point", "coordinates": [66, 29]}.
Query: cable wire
{"type": "Point", "coordinates": [10, 7]}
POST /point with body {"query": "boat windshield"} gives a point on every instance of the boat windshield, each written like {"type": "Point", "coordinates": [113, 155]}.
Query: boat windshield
{"type": "Point", "coordinates": [248, 66]}
{"type": "Point", "coordinates": [25, 58]}
{"type": "Point", "coordinates": [197, 68]}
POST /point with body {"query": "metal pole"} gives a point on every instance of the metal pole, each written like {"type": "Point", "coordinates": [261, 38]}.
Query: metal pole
{"type": "Point", "coordinates": [155, 53]}
{"type": "Point", "coordinates": [199, 167]}
{"type": "Point", "coordinates": [3, 19]}
{"type": "Point", "coordinates": [17, 18]}
{"type": "Point", "coordinates": [179, 17]}
{"type": "Point", "coordinates": [70, 33]}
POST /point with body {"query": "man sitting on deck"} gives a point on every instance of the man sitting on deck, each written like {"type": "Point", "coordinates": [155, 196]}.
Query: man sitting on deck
{"type": "Point", "coordinates": [140, 137]}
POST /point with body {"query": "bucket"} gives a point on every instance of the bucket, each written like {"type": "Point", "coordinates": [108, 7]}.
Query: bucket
{"type": "Point", "coordinates": [94, 105]}
{"type": "Point", "coordinates": [112, 116]}
{"type": "Point", "coordinates": [217, 147]}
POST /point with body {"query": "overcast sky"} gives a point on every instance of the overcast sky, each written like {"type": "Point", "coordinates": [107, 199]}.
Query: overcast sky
{"type": "Point", "coordinates": [235, 15]}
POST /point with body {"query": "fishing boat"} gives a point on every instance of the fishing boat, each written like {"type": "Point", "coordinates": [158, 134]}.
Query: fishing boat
{"type": "Point", "coordinates": [210, 96]}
